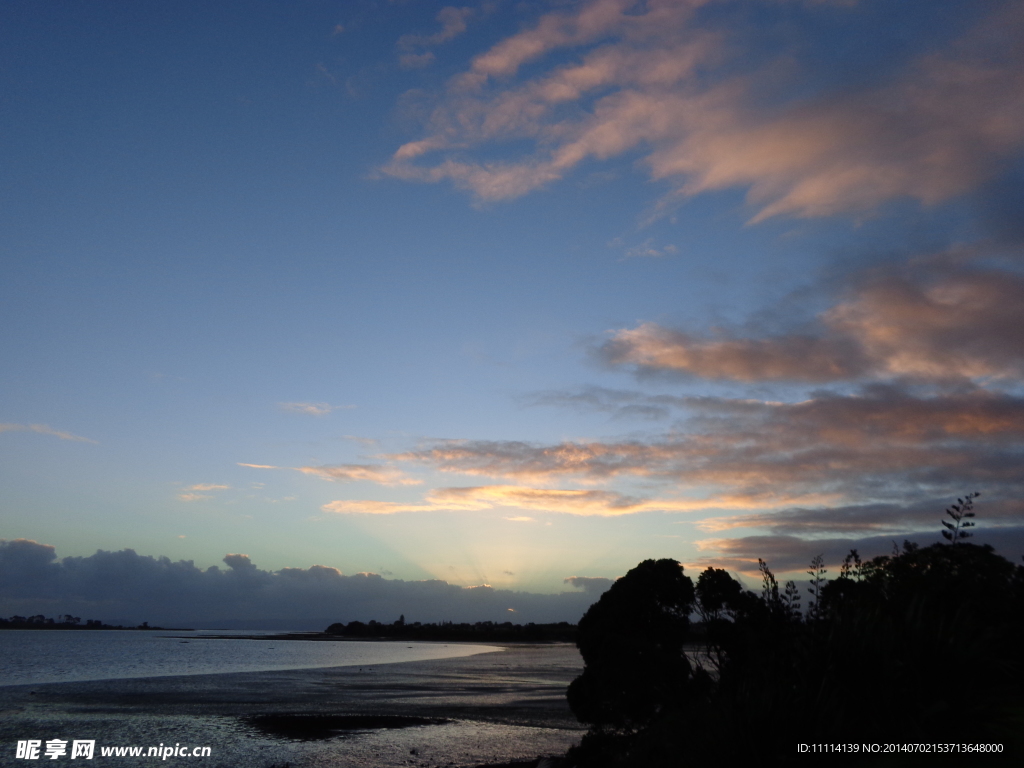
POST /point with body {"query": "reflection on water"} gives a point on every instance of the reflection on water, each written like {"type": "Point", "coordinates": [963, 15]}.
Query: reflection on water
{"type": "Point", "coordinates": [453, 712]}
{"type": "Point", "coordinates": [58, 656]}
{"type": "Point", "coordinates": [235, 744]}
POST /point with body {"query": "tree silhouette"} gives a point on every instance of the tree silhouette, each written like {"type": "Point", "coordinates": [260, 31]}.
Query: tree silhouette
{"type": "Point", "coordinates": [719, 599]}
{"type": "Point", "coordinates": [632, 641]}
{"type": "Point", "coordinates": [717, 593]}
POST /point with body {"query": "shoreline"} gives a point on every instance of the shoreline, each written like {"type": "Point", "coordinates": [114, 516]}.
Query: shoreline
{"type": "Point", "coordinates": [45, 657]}
{"type": "Point", "coordinates": [330, 638]}
{"type": "Point", "coordinates": [487, 709]}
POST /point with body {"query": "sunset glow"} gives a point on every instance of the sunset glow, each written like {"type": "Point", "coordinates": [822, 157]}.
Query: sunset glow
{"type": "Point", "coordinates": [506, 295]}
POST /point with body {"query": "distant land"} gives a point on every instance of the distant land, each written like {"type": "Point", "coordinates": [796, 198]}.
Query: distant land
{"type": "Point", "coordinates": [446, 631]}
{"type": "Point", "coordinates": [74, 622]}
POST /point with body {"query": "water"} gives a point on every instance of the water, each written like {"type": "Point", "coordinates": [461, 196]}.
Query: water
{"type": "Point", "coordinates": [489, 707]}
{"type": "Point", "coordinates": [56, 656]}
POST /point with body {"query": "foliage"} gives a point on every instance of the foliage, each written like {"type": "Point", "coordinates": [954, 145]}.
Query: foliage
{"type": "Point", "coordinates": [959, 512]}
{"type": "Point", "coordinates": [818, 582]}
{"type": "Point", "coordinates": [923, 645]}
{"type": "Point", "coordinates": [632, 642]}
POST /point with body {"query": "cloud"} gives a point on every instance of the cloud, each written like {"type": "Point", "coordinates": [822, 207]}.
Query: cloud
{"type": "Point", "coordinates": [651, 347]}
{"type": "Point", "coordinates": [367, 441]}
{"type": "Point", "coordinates": [586, 503]}
{"type": "Point", "coordinates": [347, 473]}
{"type": "Point", "coordinates": [939, 322]}
{"type": "Point", "coordinates": [618, 402]}
{"type": "Point", "coordinates": [792, 553]}
{"type": "Point", "coordinates": [43, 429]}
{"type": "Point", "coordinates": [240, 563]}
{"type": "Point", "coordinates": [127, 587]}
{"type": "Point", "coordinates": [416, 60]}
{"type": "Point", "coordinates": [589, 584]}
{"type": "Point", "coordinates": [648, 250]}
{"type": "Point", "coordinates": [370, 507]}
{"type": "Point", "coordinates": [189, 493]}
{"type": "Point", "coordinates": [453, 23]}
{"type": "Point", "coordinates": [877, 445]}
{"type": "Point", "coordinates": [312, 409]}
{"type": "Point", "coordinates": [649, 78]}
{"type": "Point", "coordinates": [866, 519]}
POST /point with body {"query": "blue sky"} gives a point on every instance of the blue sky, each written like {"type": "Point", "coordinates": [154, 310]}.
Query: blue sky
{"type": "Point", "coordinates": [506, 293]}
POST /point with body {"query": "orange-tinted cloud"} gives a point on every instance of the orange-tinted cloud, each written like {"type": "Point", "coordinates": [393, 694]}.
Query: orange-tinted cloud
{"type": "Point", "coordinates": [827, 450]}
{"type": "Point", "coordinates": [656, 81]}
{"type": "Point", "coordinates": [951, 322]}
{"type": "Point", "coordinates": [347, 473]}
{"type": "Point", "coordinates": [43, 429]}
{"type": "Point", "coordinates": [565, 501]}
{"type": "Point", "coordinates": [350, 473]}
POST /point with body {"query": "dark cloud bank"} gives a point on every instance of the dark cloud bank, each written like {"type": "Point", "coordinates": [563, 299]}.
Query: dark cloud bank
{"type": "Point", "coordinates": [125, 587]}
{"type": "Point", "coordinates": [792, 554]}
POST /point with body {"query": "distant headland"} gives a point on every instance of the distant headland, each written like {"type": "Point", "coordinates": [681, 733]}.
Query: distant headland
{"type": "Point", "coordinates": [444, 631]}
{"type": "Point", "coordinates": [68, 621]}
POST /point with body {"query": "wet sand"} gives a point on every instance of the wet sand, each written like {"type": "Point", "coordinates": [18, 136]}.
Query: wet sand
{"type": "Point", "coordinates": [490, 708]}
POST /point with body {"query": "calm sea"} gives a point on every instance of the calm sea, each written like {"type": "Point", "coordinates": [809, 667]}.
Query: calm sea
{"type": "Point", "coordinates": [61, 656]}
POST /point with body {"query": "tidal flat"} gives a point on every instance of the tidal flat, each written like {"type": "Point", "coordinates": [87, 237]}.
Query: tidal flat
{"type": "Point", "coordinates": [489, 708]}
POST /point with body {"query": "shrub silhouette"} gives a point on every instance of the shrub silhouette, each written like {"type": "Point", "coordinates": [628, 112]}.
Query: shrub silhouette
{"type": "Point", "coordinates": [923, 645]}
{"type": "Point", "coordinates": [956, 530]}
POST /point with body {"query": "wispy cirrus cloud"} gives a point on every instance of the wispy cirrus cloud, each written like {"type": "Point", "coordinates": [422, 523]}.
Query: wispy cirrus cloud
{"type": "Point", "coordinates": [923, 358]}
{"type": "Point", "coordinates": [650, 78]}
{"type": "Point", "coordinates": [313, 409]}
{"type": "Point", "coordinates": [589, 503]}
{"type": "Point", "coordinates": [381, 474]}
{"type": "Point", "coordinates": [43, 429]}
{"type": "Point", "coordinates": [347, 473]}
{"type": "Point", "coordinates": [200, 491]}
{"type": "Point", "coordinates": [453, 23]}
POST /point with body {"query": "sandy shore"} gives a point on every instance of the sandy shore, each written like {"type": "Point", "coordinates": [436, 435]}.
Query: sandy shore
{"type": "Point", "coordinates": [489, 708]}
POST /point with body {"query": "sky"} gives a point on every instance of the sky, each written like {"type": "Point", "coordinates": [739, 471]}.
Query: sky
{"type": "Point", "coordinates": [506, 296]}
